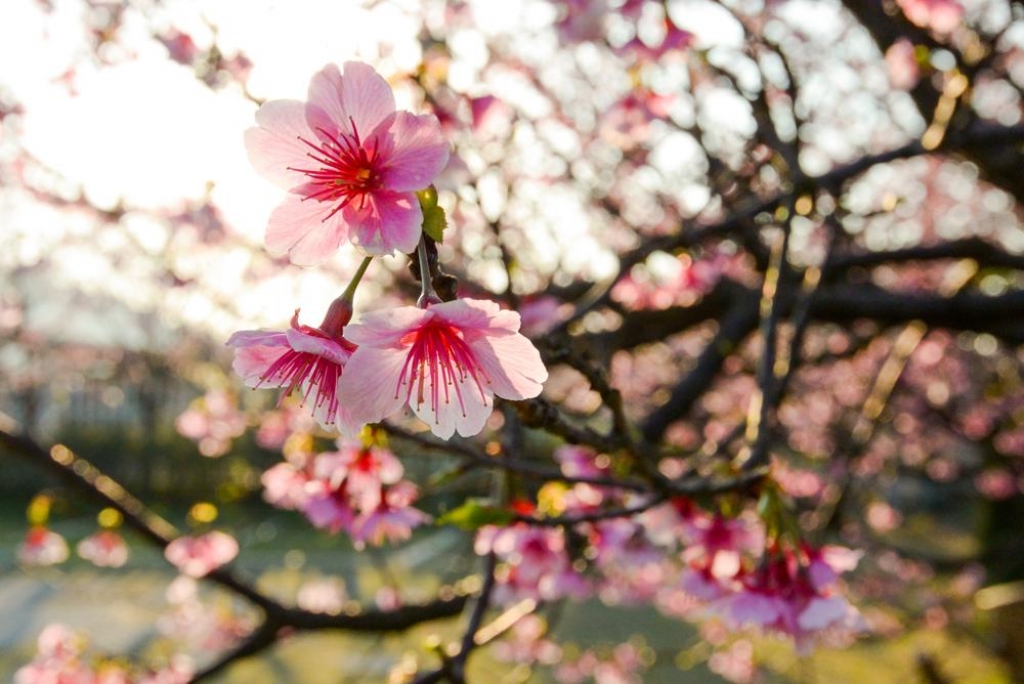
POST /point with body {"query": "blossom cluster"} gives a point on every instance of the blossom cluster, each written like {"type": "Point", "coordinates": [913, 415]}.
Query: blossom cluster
{"type": "Point", "coordinates": [357, 489]}
{"type": "Point", "coordinates": [690, 563]}
{"type": "Point", "coordinates": [357, 171]}
{"type": "Point", "coordinates": [61, 656]}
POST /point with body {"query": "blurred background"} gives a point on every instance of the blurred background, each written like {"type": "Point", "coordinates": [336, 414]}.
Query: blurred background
{"type": "Point", "coordinates": [132, 228]}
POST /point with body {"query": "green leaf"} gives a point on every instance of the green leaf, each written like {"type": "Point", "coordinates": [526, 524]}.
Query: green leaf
{"type": "Point", "coordinates": [434, 220]}
{"type": "Point", "coordinates": [474, 514]}
{"type": "Point", "coordinates": [434, 223]}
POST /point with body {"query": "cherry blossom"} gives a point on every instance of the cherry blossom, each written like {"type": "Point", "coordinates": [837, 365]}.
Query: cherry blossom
{"type": "Point", "coordinates": [534, 562]}
{"type": "Point", "coordinates": [198, 556]}
{"type": "Point", "coordinates": [357, 489]}
{"type": "Point", "coordinates": [302, 357]}
{"type": "Point", "coordinates": [941, 16]}
{"type": "Point", "coordinates": [42, 546]}
{"type": "Point", "coordinates": [212, 422]}
{"type": "Point", "coordinates": [446, 361]}
{"type": "Point", "coordinates": [393, 518]}
{"type": "Point", "coordinates": [351, 164]}
{"type": "Point", "coordinates": [794, 595]}
{"type": "Point", "coordinates": [104, 548]}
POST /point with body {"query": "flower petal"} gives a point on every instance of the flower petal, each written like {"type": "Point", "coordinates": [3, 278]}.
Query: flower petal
{"type": "Point", "coordinates": [369, 385]}
{"type": "Point", "coordinates": [419, 152]}
{"type": "Point", "coordinates": [360, 96]}
{"type": "Point", "coordinates": [274, 145]}
{"type": "Point", "coordinates": [386, 327]}
{"type": "Point", "coordinates": [462, 407]}
{"type": "Point", "coordinates": [385, 222]}
{"type": "Point", "coordinates": [511, 364]}
{"type": "Point", "coordinates": [297, 228]}
{"type": "Point", "coordinates": [252, 363]}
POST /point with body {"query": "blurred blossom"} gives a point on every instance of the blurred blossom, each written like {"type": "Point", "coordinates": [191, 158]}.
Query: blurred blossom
{"type": "Point", "coordinates": [736, 663]}
{"type": "Point", "coordinates": [526, 643]}
{"type": "Point", "coordinates": [580, 20]}
{"type": "Point", "coordinates": [61, 658]}
{"type": "Point", "coordinates": [901, 58]}
{"type": "Point", "coordinates": [357, 489]}
{"type": "Point", "coordinates": [794, 596]}
{"type": "Point", "coordinates": [212, 421]}
{"type": "Point", "coordinates": [198, 556]}
{"type": "Point", "coordinates": [534, 563]}
{"type": "Point", "coordinates": [941, 16]}
{"type": "Point", "coordinates": [42, 546]}
{"type": "Point", "coordinates": [322, 595]}
{"type": "Point", "coordinates": [104, 548]}
{"type": "Point", "coordinates": [882, 517]}
{"type": "Point", "coordinates": [677, 282]}
{"type": "Point", "coordinates": [539, 314]}
{"type": "Point", "coordinates": [627, 122]}
{"type": "Point", "coordinates": [623, 664]}
{"type": "Point", "coordinates": [996, 485]}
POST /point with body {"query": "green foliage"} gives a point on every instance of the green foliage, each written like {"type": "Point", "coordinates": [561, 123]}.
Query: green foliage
{"type": "Point", "coordinates": [474, 514]}
{"type": "Point", "coordinates": [434, 220]}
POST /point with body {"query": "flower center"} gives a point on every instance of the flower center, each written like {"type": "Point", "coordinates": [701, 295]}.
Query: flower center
{"type": "Point", "coordinates": [439, 363]}
{"type": "Point", "coordinates": [349, 168]}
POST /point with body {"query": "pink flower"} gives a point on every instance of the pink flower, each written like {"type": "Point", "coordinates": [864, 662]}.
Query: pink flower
{"type": "Point", "coordinates": [351, 164]}
{"type": "Point", "coordinates": [794, 595]}
{"type": "Point", "coordinates": [105, 548]}
{"type": "Point", "coordinates": [212, 422]}
{"type": "Point", "coordinates": [363, 471]}
{"type": "Point", "coordinates": [901, 59]}
{"type": "Point", "coordinates": [393, 519]}
{"type": "Point", "coordinates": [322, 595]}
{"type": "Point", "coordinates": [42, 546]}
{"type": "Point", "coordinates": [941, 16]}
{"type": "Point", "coordinates": [535, 562]}
{"type": "Point", "coordinates": [447, 362]}
{"type": "Point", "coordinates": [198, 556]}
{"type": "Point", "coordinates": [301, 357]}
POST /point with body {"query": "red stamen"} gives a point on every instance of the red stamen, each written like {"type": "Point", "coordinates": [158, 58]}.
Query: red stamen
{"type": "Point", "coordinates": [349, 168]}
{"type": "Point", "coordinates": [441, 355]}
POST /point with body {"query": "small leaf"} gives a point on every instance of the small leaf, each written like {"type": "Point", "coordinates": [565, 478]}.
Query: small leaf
{"type": "Point", "coordinates": [434, 223]}
{"type": "Point", "coordinates": [434, 220]}
{"type": "Point", "coordinates": [474, 514]}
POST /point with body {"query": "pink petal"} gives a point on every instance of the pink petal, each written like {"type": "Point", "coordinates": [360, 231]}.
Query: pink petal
{"type": "Point", "coordinates": [320, 346]}
{"type": "Point", "coordinates": [512, 365]}
{"type": "Point", "coordinates": [385, 328]}
{"type": "Point", "coordinates": [260, 338]}
{"type": "Point", "coordinates": [360, 94]}
{"type": "Point", "coordinates": [822, 612]}
{"type": "Point", "coordinates": [274, 144]}
{"type": "Point", "coordinates": [467, 416]}
{"type": "Point", "coordinates": [472, 313]}
{"type": "Point", "coordinates": [754, 608]}
{"type": "Point", "coordinates": [297, 228]}
{"type": "Point", "coordinates": [419, 152]}
{"type": "Point", "coordinates": [369, 385]}
{"type": "Point", "coordinates": [385, 222]}
{"type": "Point", "coordinates": [252, 363]}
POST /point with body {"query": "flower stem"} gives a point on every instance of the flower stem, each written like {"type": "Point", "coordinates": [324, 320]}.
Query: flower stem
{"type": "Point", "coordinates": [340, 311]}
{"type": "Point", "coordinates": [350, 292]}
{"type": "Point", "coordinates": [428, 295]}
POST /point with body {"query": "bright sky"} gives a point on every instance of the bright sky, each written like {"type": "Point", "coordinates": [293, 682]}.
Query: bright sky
{"type": "Point", "coordinates": [144, 131]}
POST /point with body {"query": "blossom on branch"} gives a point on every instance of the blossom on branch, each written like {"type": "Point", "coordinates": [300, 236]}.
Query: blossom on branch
{"type": "Point", "coordinates": [351, 165]}
{"type": "Point", "coordinates": [446, 361]}
{"type": "Point", "coordinates": [199, 556]}
{"type": "Point", "coordinates": [42, 546]}
{"type": "Point", "coordinates": [302, 357]}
